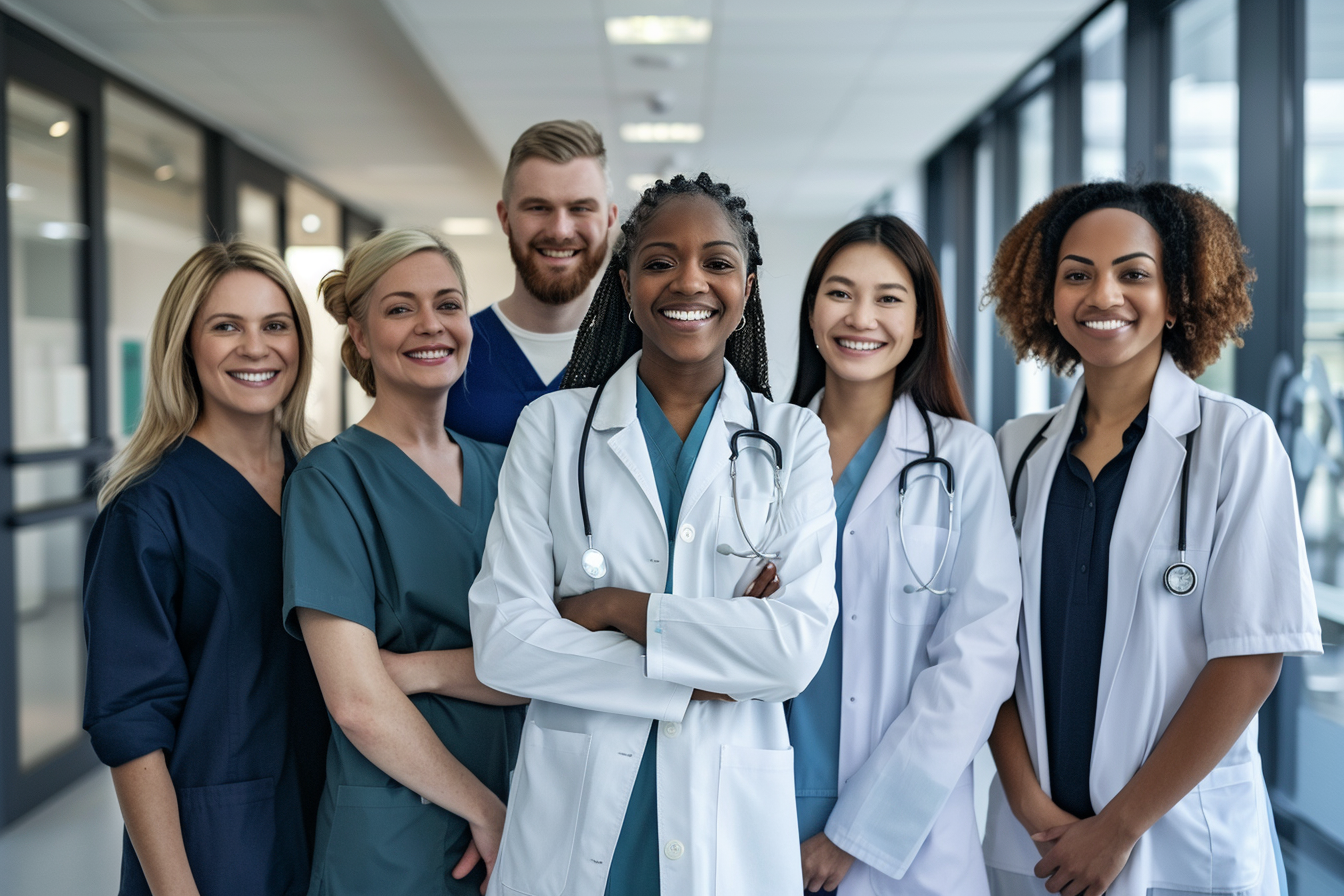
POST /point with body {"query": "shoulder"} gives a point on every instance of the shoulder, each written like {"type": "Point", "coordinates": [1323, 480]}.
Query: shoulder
{"type": "Point", "coordinates": [557, 411]}
{"type": "Point", "coordinates": [1236, 427]}
{"type": "Point", "coordinates": [1014, 436]}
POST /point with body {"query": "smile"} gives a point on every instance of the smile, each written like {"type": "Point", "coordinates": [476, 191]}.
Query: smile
{"type": "Point", "coordinates": [559, 253]}
{"type": "Point", "coordinates": [1106, 324]}
{"type": "Point", "coordinates": [430, 354]}
{"type": "Point", "coordinates": [692, 314]}
{"type": "Point", "coordinates": [856, 345]}
{"type": "Point", "coordinates": [258, 376]}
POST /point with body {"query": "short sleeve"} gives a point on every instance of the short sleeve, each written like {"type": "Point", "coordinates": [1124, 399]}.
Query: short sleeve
{"type": "Point", "coordinates": [327, 565]}
{"type": "Point", "coordinates": [136, 677]}
{"type": "Point", "coordinates": [1259, 596]}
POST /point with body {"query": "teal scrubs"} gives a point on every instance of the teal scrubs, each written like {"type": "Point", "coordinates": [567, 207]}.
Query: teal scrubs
{"type": "Point", "coordinates": [814, 715]}
{"type": "Point", "coordinates": [634, 866]}
{"type": "Point", "coordinates": [370, 537]}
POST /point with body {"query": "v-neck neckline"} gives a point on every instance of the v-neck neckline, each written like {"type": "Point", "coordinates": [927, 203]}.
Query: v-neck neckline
{"type": "Point", "coordinates": [250, 493]}
{"type": "Point", "coordinates": [410, 472]}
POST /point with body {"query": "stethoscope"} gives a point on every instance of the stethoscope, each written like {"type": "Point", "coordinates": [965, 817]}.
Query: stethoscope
{"type": "Point", "coordinates": [949, 488]}
{"type": "Point", "coordinates": [593, 561]}
{"type": "Point", "coordinates": [1180, 578]}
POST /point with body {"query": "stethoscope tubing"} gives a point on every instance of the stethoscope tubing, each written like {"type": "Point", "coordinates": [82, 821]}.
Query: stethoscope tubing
{"type": "Point", "coordinates": [949, 488]}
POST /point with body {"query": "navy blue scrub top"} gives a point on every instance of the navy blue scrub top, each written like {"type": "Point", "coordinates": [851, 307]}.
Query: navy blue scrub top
{"type": "Point", "coordinates": [814, 715]}
{"type": "Point", "coordinates": [182, 596]}
{"type": "Point", "coordinates": [498, 383]}
{"type": "Point", "coordinates": [634, 865]}
{"type": "Point", "coordinates": [1075, 562]}
{"type": "Point", "coordinates": [371, 538]}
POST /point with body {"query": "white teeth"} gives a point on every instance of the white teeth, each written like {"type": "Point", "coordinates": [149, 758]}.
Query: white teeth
{"type": "Point", "coordinates": [697, 314]}
{"type": "Point", "coordinates": [1105, 324]}
{"type": "Point", "coordinates": [559, 253]}
{"type": "Point", "coordinates": [857, 346]}
{"type": "Point", "coordinates": [430, 354]}
{"type": "Point", "coordinates": [249, 377]}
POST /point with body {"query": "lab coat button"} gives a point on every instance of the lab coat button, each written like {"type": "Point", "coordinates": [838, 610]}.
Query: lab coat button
{"type": "Point", "coordinates": [674, 850]}
{"type": "Point", "coordinates": [671, 729]}
{"type": "Point", "coordinates": [687, 533]}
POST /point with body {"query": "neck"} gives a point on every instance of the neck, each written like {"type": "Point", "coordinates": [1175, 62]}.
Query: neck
{"type": "Point", "coordinates": [531, 313]}
{"type": "Point", "coordinates": [1115, 395]}
{"type": "Point", "coordinates": [680, 387]}
{"type": "Point", "coordinates": [856, 407]}
{"type": "Point", "coordinates": [248, 443]}
{"type": "Point", "coordinates": [408, 419]}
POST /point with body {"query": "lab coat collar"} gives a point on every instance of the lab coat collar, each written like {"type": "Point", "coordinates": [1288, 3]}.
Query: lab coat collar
{"type": "Point", "coordinates": [905, 440]}
{"type": "Point", "coordinates": [1174, 402]}
{"type": "Point", "coordinates": [617, 410]}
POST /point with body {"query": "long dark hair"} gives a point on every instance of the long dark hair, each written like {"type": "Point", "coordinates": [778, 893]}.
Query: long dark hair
{"type": "Point", "coordinates": [608, 337]}
{"type": "Point", "coordinates": [928, 372]}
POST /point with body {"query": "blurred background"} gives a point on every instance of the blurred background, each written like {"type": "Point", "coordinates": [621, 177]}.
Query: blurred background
{"type": "Point", "coordinates": [136, 130]}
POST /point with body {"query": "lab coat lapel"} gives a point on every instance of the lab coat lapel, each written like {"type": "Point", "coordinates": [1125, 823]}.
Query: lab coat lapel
{"type": "Point", "coordinates": [617, 411]}
{"type": "Point", "coordinates": [1153, 483]}
{"type": "Point", "coordinates": [1034, 495]}
{"type": "Point", "coordinates": [730, 415]}
{"type": "Point", "coordinates": [905, 440]}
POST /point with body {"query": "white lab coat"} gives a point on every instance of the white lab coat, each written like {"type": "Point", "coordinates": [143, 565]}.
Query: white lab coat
{"type": "Point", "coordinates": [1254, 595]}
{"type": "Point", "coordinates": [923, 675]}
{"type": "Point", "coordinates": [726, 815]}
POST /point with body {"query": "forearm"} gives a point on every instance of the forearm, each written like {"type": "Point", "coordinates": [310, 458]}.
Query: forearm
{"type": "Point", "coordinates": [1008, 744]}
{"type": "Point", "coordinates": [148, 803]}
{"type": "Point", "coordinates": [449, 673]}
{"type": "Point", "coordinates": [1221, 703]}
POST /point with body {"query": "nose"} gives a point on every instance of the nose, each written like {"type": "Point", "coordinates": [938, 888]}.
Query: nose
{"type": "Point", "coordinates": [1105, 292]}
{"type": "Point", "coordinates": [254, 343]}
{"type": "Point", "coordinates": [562, 226]}
{"type": "Point", "coordinates": [861, 316]}
{"type": "Point", "coordinates": [689, 281]}
{"type": "Point", "coordinates": [427, 320]}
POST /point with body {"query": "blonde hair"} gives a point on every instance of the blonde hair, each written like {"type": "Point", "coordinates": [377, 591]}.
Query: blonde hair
{"type": "Point", "coordinates": [173, 393]}
{"type": "Point", "coordinates": [557, 141]}
{"type": "Point", "coordinates": [345, 293]}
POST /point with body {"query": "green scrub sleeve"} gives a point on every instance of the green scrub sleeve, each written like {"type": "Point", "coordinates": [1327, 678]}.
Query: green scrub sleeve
{"type": "Point", "coordinates": [327, 563]}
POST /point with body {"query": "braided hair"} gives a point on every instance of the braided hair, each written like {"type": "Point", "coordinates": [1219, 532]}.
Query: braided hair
{"type": "Point", "coordinates": [608, 338]}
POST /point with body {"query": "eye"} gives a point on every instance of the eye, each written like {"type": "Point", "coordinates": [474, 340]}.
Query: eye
{"type": "Point", "coordinates": [226, 327]}
{"type": "Point", "coordinates": [837, 294]}
{"type": "Point", "coordinates": [890, 300]}
{"type": "Point", "coordinates": [1135, 274]}
{"type": "Point", "coordinates": [449, 305]}
{"type": "Point", "coordinates": [1074, 277]}
{"type": "Point", "coordinates": [657, 264]}
{"type": "Point", "coordinates": [397, 311]}
{"type": "Point", "coordinates": [719, 264]}
{"type": "Point", "coordinates": [277, 326]}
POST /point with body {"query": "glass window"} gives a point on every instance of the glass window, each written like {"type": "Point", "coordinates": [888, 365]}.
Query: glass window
{"type": "Point", "coordinates": [1204, 120]}
{"type": "Point", "coordinates": [50, 375]}
{"type": "Point", "coordinates": [1035, 180]}
{"type": "Point", "coordinates": [985, 330]}
{"type": "Point", "coordinates": [154, 223]}
{"type": "Point", "coordinates": [313, 240]}
{"type": "Point", "coordinates": [259, 216]}
{"type": "Point", "coordinates": [1104, 94]}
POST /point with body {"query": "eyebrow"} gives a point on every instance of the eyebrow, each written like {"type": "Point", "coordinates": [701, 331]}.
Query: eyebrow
{"type": "Point", "coordinates": [406, 294]}
{"type": "Point", "coordinates": [848, 282]}
{"type": "Point", "coordinates": [707, 245]}
{"type": "Point", "coordinates": [1121, 260]}
{"type": "Point", "coordinates": [531, 200]}
{"type": "Point", "coordinates": [229, 315]}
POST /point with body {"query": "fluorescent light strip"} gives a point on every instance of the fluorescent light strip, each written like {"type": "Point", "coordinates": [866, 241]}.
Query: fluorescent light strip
{"type": "Point", "coordinates": [658, 30]}
{"type": "Point", "coordinates": [662, 132]}
{"type": "Point", "coordinates": [466, 226]}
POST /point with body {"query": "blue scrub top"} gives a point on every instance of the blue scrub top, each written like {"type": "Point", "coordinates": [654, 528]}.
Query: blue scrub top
{"type": "Point", "coordinates": [186, 654]}
{"type": "Point", "coordinates": [498, 383]}
{"type": "Point", "coordinates": [814, 715]}
{"type": "Point", "coordinates": [634, 866]}
{"type": "Point", "coordinates": [370, 537]}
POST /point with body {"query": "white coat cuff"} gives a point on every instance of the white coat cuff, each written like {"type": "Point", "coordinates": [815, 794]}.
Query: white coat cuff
{"type": "Point", "coordinates": [654, 651]}
{"type": "Point", "coordinates": [1290, 643]}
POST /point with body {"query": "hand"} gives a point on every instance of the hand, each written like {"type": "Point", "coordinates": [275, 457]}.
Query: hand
{"type": "Point", "coordinates": [586, 609]}
{"type": "Point", "coordinates": [765, 584]}
{"type": "Point", "coordinates": [603, 609]}
{"type": "Point", "coordinates": [484, 845]}
{"type": "Point", "coordinates": [1044, 817]}
{"type": "Point", "coordinates": [698, 694]}
{"type": "Point", "coordinates": [824, 863]}
{"type": "Point", "coordinates": [1086, 856]}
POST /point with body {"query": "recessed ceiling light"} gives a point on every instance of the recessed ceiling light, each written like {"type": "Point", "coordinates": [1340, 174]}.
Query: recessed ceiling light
{"type": "Point", "coordinates": [164, 172]}
{"type": "Point", "coordinates": [59, 128]}
{"type": "Point", "coordinates": [640, 182]}
{"type": "Point", "coordinates": [658, 30]}
{"type": "Point", "coordinates": [466, 226]}
{"type": "Point", "coordinates": [662, 132]}
{"type": "Point", "coordinates": [310, 223]}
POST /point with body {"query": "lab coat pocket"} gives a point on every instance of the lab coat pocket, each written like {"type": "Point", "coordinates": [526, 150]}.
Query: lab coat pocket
{"type": "Point", "coordinates": [230, 836]}
{"type": "Point", "coordinates": [543, 815]}
{"type": "Point", "coordinates": [757, 825]}
{"type": "Point", "coordinates": [386, 840]}
{"type": "Point", "coordinates": [924, 546]}
{"type": "Point", "coordinates": [1213, 840]}
{"type": "Point", "coordinates": [732, 574]}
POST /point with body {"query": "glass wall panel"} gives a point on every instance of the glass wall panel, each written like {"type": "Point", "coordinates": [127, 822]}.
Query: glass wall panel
{"type": "Point", "coordinates": [50, 376]}
{"type": "Point", "coordinates": [51, 637]}
{"type": "Point", "coordinates": [1035, 180]}
{"type": "Point", "coordinates": [1204, 120]}
{"type": "Point", "coordinates": [985, 330]}
{"type": "Point", "coordinates": [1104, 94]}
{"type": "Point", "coordinates": [313, 241]}
{"type": "Point", "coordinates": [1318, 453]}
{"type": "Point", "coordinates": [259, 216]}
{"type": "Point", "coordinates": [38, 485]}
{"type": "Point", "coordinates": [154, 214]}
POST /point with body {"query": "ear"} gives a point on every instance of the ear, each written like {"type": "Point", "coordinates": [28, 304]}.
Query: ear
{"type": "Point", "coordinates": [751, 283]}
{"type": "Point", "coordinates": [919, 327]}
{"type": "Point", "coordinates": [502, 211]}
{"type": "Point", "coordinates": [625, 285]}
{"type": "Point", "coordinates": [358, 337]}
{"type": "Point", "coordinates": [611, 216]}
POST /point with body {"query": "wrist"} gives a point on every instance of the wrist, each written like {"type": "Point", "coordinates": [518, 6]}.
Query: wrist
{"type": "Point", "coordinates": [1126, 823]}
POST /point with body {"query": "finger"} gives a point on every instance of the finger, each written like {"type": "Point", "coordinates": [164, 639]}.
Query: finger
{"type": "Point", "coordinates": [771, 587]}
{"type": "Point", "coordinates": [1050, 833]}
{"type": "Point", "coordinates": [467, 862]}
{"type": "Point", "coordinates": [489, 870]}
{"type": "Point", "coordinates": [1056, 883]}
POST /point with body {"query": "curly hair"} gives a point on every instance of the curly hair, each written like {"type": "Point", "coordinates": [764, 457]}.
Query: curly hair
{"type": "Point", "coordinates": [1203, 268]}
{"type": "Point", "coordinates": [607, 337]}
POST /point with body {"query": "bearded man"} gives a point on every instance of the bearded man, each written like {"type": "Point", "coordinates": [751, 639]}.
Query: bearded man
{"type": "Point", "coordinates": [557, 212]}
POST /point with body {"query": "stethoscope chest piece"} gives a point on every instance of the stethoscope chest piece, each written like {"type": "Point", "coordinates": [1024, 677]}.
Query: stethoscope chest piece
{"type": "Point", "coordinates": [594, 563]}
{"type": "Point", "coordinates": [1180, 578]}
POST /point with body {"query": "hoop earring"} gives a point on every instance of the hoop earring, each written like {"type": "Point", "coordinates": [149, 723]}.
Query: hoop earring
{"type": "Point", "coordinates": [630, 315]}
{"type": "Point", "coordinates": [1170, 324]}
{"type": "Point", "coordinates": [741, 323]}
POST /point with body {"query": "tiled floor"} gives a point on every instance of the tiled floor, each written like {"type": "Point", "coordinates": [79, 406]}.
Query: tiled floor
{"type": "Point", "coordinates": [71, 846]}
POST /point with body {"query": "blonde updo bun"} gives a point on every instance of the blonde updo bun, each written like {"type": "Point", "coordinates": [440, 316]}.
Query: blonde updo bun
{"type": "Point", "coordinates": [345, 292]}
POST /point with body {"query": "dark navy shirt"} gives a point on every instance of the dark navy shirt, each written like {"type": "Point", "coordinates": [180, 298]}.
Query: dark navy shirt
{"type": "Point", "coordinates": [1075, 562]}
